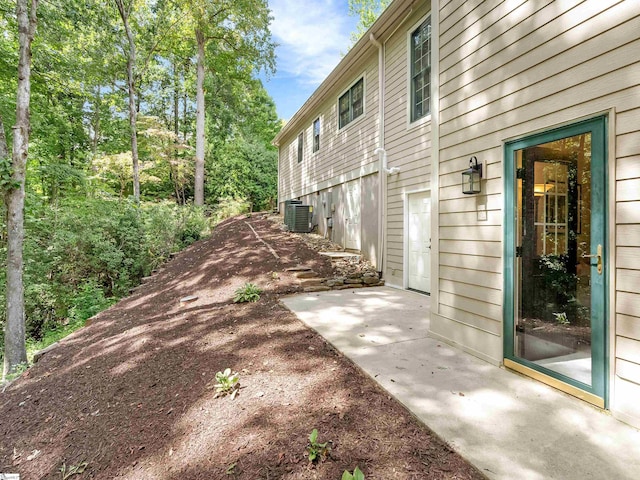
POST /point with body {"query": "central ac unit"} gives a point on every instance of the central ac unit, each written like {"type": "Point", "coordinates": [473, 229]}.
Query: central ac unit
{"type": "Point", "coordinates": [288, 211]}
{"type": "Point", "coordinates": [300, 218]}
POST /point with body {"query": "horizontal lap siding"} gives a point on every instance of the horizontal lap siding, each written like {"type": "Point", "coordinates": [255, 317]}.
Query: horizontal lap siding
{"type": "Point", "coordinates": [627, 346]}
{"type": "Point", "coordinates": [407, 148]}
{"type": "Point", "coordinates": [341, 151]}
{"type": "Point", "coordinates": [508, 69]}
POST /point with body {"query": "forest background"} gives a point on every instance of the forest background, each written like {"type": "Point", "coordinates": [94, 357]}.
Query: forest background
{"type": "Point", "coordinates": [88, 240]}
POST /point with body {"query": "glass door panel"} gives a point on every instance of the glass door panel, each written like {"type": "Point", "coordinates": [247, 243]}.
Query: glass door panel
{"type": "Point", "coordinates": [553, 320]}
{"type": "Point", "coordinates": [555, 284]}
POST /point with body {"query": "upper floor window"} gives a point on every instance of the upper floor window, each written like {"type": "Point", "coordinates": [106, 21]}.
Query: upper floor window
{"type": "Point", "coordinates": [300, 146]}
{"type": "Point", "coordinates": [351, 104]}
{"type": "Point", "coordinates": [316, 135]}
{"type": "Point", "coordinates": [421, 71]}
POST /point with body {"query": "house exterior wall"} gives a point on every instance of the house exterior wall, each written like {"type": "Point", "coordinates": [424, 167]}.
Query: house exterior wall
{"type": "Point", "coordinates": [408, 145]}
{"type": "Point", "coordinates": [508, 70]}
{"type": "Point", "coordinates": [345, 155]}
{"type": "Point", "coordinates": [502, 71]}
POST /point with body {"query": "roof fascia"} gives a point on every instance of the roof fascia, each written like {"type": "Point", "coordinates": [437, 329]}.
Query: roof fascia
{"type": "Point", "coordinates": [384, 26]}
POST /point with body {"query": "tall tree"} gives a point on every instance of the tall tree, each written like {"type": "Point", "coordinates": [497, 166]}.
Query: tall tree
{"type": "Point", "coordinates": [237, 26]}
{"type": "Point", "coordinates": [198, 192]}
{"type": "Point", "coordinates": [125, 14]}
{"type": "Point", "coordinates": [14, 347]}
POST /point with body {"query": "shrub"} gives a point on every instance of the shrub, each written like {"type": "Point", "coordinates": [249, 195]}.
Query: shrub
{"type": "Point", "coordinates": [247, 293]}
{"type": "Point", "coordinates": [230, 207]}
{"type": "Point", "coordinates": [83, 254]}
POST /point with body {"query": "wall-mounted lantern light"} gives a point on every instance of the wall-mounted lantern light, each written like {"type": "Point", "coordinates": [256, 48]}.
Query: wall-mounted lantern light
{"type": "Point", "coordinates": [471, 177]}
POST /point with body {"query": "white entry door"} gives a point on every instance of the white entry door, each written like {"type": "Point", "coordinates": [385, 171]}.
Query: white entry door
{"type": "Point", "coordinates": [419, 242]}
{"type": "Point", "coordinates": [352, 216]}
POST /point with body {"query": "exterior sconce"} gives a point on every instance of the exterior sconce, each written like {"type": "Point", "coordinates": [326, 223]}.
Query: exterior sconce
{"type": "Point", "coordinates": [471, 177]}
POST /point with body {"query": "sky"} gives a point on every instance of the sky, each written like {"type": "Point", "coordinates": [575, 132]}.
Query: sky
{"type": "Point", "coordinates": [312, 36]}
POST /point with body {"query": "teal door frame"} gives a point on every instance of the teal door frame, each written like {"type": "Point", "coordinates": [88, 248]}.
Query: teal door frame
{"type": "Point", "coordinates": [597, 127]}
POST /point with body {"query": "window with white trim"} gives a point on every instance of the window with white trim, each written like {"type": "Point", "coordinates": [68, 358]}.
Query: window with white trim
{"type": "Point", "coordinates": [316, 135]}
{"type": "Point", "coordinates": [351, 104]}
{"type": "Point", "coordinates": [421, 71]}
{"type": "Point", "coordinates": [300, 146]}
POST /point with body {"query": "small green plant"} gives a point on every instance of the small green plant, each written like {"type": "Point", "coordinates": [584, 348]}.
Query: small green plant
{"type": "Point", "coordinates": [317, 451]}
{"type": "Point", "coordinates": [356, 475]}
{"type": "Point", "coordinates": [250, 292]}
{"type": "Point", "coordinates": [71, 470]}
{"type": "Point", "coordinates": [7, 183]}
{"type": "Point", "coordinates": [227, 383]}
{"type": "Point", "coordinates": [561, 318]}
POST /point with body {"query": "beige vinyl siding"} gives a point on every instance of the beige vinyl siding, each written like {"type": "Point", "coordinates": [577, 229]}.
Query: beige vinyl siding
{"type": "Point", "coordinates": [408, 146]}
{"type": "Point", "coordinates": [627, 305]}
{"type": "Point", "coordinates": [341, 150]}
{"type": "Point", "coordinates": [507, 70]}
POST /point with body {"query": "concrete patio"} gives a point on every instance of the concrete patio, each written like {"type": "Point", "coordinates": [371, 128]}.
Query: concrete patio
{"type": "Point", "coordinates": [507, 425]}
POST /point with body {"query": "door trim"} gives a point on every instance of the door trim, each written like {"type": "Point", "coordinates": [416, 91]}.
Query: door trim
{"type": "Point", "coordinates": [598, 392]}
{"type": "Point", "coordinates": [405, 231]}
{"type": "Point", "coordinates": [554, 382]}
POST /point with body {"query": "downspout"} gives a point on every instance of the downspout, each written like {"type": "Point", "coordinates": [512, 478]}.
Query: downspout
{"type": "Point", "coordinates": [277, 209]}
{"type": "Point", "coordinates": [382, 156]}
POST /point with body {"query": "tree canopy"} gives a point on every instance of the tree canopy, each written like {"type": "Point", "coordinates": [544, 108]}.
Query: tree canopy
{"type": "Point", "coordinates": [367, 12]}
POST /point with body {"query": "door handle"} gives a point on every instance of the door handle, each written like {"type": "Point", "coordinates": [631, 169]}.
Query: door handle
{"type": "Point", "coordinates": [598, 257]}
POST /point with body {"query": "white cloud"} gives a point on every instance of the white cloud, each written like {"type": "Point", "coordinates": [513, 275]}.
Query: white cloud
{"type": "Point", "coordinates": [311, 35]}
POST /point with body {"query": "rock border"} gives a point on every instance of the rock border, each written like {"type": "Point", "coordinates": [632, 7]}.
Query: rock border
{"type": "Point", "coordinates": [311, 282]}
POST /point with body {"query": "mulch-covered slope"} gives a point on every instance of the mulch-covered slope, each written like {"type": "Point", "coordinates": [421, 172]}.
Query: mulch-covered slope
{"type": "Point", "coordinates": [128, 393]}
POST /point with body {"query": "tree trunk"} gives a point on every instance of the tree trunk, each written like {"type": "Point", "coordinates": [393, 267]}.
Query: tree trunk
{"type": "Point", "coordinates": [185, 101]}
{"type": "Point", "coordinates": [198, 195]}
{"type": "Point", "coordinates": [176, 100]}
{"type": "Point", "coordinates": [14, 340]}
{"type": "Point", "coordinates": [131, 61]}
{"type": "Point", "coordinates": [96, 124]}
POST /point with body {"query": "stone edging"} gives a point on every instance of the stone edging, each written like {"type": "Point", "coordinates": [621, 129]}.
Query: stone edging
{"type": "Point", "coordinates": [310, 281]}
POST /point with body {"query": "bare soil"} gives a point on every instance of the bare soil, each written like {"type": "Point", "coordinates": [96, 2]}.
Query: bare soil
{"type": "Point", "coordinates": [130, 394]}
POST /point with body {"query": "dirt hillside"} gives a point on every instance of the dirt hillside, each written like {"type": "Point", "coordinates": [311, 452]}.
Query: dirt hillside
{"type": "Point", "coordinates": [129, 396]}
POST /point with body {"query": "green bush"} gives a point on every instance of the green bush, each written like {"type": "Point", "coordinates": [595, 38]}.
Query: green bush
{"type": "Point", "coordinates": [83, 254]}
{"type": "Point", "coordinates": [228, 207]}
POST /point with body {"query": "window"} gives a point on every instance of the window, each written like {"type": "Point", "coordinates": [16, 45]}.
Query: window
{"type": "Point", "coordinates": [300, 146]}
{"type": "Point", "coordinates": [316, 135]}
{"type": "Point", "coordinates": [421, 71]}
{"type": "Point", "coordinates": [351, 104]}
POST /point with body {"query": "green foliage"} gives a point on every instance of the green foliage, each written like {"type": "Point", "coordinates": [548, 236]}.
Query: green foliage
{"type": "Point", "coordinates": [18, 370]}
{"type": "Point", "coordinates": [84, 249]}
{"type": "Point", "coordinates": [6, 180]}
{"type": "Point", "coordinates": [227, 383]}
{"type": "Point", "coordinates": [317, 451]}
{"type": "Point", "coordinates": [230, 207]}
{"type": "Point", "coordinates": [356, 475]}
{"type": "Point", "coordinates": [249, 292]}
{"type": "Point", "coordinates": [82, 254]}
{"type": "Point", "coordinates": [367, 12]}
{"type": "Point", "coordinates": [241, 162]}
{"type": "Point", "coordinates": [561, 318]}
